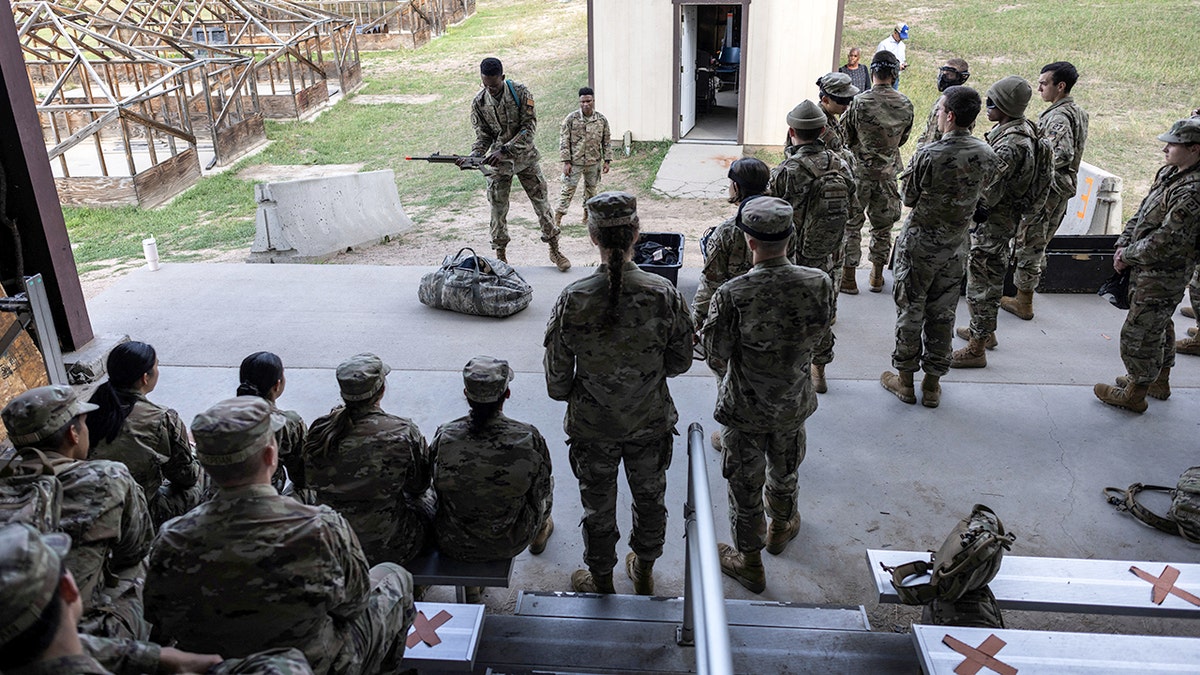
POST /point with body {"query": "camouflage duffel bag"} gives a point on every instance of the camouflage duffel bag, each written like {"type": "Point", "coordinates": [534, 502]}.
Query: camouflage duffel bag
{"type": "Point", "coordinates": [472, 284]}
{"type": "Point", "coordinates": [1183, 518]}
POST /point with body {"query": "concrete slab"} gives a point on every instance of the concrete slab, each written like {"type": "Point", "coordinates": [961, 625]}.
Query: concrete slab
{"type": "Point", "coordinates": [696, 170]}
{"type": "Point", "coordinates": [1024, 435]}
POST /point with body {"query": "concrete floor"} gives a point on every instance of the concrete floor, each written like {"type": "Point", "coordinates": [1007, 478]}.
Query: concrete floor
{"type": "Point", "coordinates": [696, 170]}
{"type": "Point", "coordinates": [1024, 435]}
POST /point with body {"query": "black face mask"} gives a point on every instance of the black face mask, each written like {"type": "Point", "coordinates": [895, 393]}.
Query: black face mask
{"type": "Point", "coordinates": [948, 77]}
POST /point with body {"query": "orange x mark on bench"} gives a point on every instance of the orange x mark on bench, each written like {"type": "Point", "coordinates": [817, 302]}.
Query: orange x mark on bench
{"type": "Point", "coordinates": [984, 656]}
{"type": "Point", "coordinates": [425, 630]}
{"type": "Point", "coordinates": [1164, 585]}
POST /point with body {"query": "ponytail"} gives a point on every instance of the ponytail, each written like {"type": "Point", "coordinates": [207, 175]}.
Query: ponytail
{"type": "Point", "coordinates": [126, 365]}
{"type": "Point", "coordinates": [259, 373]}
{"type": "Point", "coordinates": [481, 414]}
{"type": "Point", "coordinates": [617, 240]}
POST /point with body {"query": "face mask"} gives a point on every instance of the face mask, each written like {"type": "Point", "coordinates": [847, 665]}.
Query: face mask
{"type": "Point", "coordinates": [948, 77]}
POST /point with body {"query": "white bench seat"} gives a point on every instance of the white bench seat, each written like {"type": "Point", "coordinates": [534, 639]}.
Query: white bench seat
{"type": "Point", "coordinates": [459, 637]}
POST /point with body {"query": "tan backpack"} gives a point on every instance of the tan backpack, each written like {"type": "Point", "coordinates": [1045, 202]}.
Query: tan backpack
{"type": "Point", "coordinates": [968, 559]}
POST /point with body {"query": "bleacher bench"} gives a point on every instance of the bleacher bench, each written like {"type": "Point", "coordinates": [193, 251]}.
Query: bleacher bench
{"type": "Point", "coordinates": [1070, 585]}
{"type": "Point", "coordinates": [434, 569]}
{"type": "Point", "coordinates": [454, 628]}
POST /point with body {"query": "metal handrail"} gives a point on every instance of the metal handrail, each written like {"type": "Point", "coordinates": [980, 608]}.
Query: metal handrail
{"type": "Point", "coordinates": [704, 622]}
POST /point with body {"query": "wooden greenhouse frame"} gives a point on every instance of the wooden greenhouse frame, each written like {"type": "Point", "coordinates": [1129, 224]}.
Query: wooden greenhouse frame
{"type": "Point", "coordinates": [395, 24]}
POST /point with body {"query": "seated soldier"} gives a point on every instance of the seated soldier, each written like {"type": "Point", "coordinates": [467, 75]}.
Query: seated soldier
{"type": "Point", "coordinates": [40, 606]}
{"type": "Point", "coordinates": [251, 569]}
{"type": "Point", "coordinates": [370, 466]}
{"type": "Point", "coordinates": [492, 476]}
{"type": "Point", "coordinates": [102, 508]}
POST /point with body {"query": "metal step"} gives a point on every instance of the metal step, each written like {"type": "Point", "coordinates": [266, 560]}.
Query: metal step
{"type": "Point", "coordinates": [670, 610]}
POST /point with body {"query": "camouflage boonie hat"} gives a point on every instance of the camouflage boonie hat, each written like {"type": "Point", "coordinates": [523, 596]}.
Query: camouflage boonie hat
{"type": "Point", "coordinates": [486, 379]}
{"type": "Point", "coordinates": [837, 84]}
{"type": "Point", "coordinates": [1183, 131]}
{"type": "Point", "coordinates": [1011, 95]}
{"type": "Point", "coordinates": [807, 115]}
{"type": "Point", "coordinates": [361, 376]}
{"type": "Point", "coordinates": [612, 209]}
{"type": "Point", "coordinates": [36, 414]}
{"type": "Point", "coordinates": [31, 564]}
{"type": "Point", "coordinates": [765, 218]}
{"type": "Point", "coordinates": [234, 430]}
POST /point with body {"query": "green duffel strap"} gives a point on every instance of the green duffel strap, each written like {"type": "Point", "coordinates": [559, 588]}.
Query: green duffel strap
{"type": "Point", "coordinates": [913, 594]}
{"type": "Point", "coordinates": [1126, 500]}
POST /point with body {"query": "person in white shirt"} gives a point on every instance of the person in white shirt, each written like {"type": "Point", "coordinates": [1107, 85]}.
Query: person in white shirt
{"type": "Point", "coordinates": [894, 43]}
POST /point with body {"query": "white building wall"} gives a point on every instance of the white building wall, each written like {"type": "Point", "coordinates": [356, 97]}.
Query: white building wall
{"type": "Point", "coordinates": [632, 57]}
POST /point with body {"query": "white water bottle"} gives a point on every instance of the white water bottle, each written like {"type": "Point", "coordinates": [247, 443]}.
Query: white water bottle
{"type": "Point", "coordinates": [150, 250]}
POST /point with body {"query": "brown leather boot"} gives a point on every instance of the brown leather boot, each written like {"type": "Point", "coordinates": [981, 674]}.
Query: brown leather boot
{"type": "Point", "coordinates": [557, 257]}
{"type": "Point", "coordinates": [818, 378]}
{"type": "Point", "coordinates": [641, 572]}
{"type": "Point", "coordinates": [1189, 345]}
{"type": "Point", "coordinates": [1187, 311]}
{"type": "Point", "coordinates": [876, 278]}
{"type": "Point", "coordinates": [901, 385]}
{"type": "Point", "coordinates": [849, 283]}
{"type": "Point", "coordinates": [974, 355]}
{"type": "Point", "coordinates": [543, 535]}
{"type": "Point", "coordinates": [583, 581]}
{"type": "Point", "coordinates": [990, 342]}
{"type": "Point", "coordinates": [745, 568]}
{"type": "Point", "coordinates": [1159, 389]}
{"type": "Point", "coordinates": [1132, 397]}
{"type": "Point", "coordinates": [931, 391]}
{"type": "Point", "coordinates": [500, 254]}
{"type": "Point", "coordinates": [779, 533]}
{"type": "Point", "coordinates": [1021, 306]}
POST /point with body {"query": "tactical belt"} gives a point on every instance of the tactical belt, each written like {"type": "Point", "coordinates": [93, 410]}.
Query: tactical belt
{"type": "Point", "coordinates": [1126, 500]}
{"type": "Point", "coordinates": [914, 594]}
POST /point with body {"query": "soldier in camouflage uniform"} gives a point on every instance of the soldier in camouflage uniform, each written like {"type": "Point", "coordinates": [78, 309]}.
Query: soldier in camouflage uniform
{"type": "Point", "coordinates": [275, 573]}
{"type": "Point", "coordinates": [505, 122]}
{"type": "Point", "coordinates": [39, 603]}
{"type": "Point", "coordinates": [612, 341]}
{"type": "Point", "coordinates": [370, 466]}
{"type": "Point", "coordinates": [1159, 244]}
{"type": "Point", "coordinates": [942, 186]}
{"type": "Point", "coordinates": [583, 147]}
{"type": "Point", "coordinates": [877, 124]}
{"type": "Point", "coordinates": [954, 72]}
{"type": "Point", "coordinates": [492, 475]}
{"type": "Point", "coordinates": [261, 374]}
{"type": "Point", "coordinates": [1190, 344]}
{"type": "Point", "coordinates": [1066, 125]}
{"type": "Point", "coordinates": [765, 324]}
{"type": "Point", "coordinates": [1013, 139]}
{"type": "Point", "coordinates": [819, 245]}
{"type": "Point", "coordinates": [836, 94]}
{"type": "Point", "coordinates": [102, 507]}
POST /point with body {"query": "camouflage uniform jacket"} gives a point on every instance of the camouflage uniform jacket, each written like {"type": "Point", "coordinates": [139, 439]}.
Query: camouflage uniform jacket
{"type": "Point", "coordinates": [727, 256]}
{"type": "Point", "coordinates": [791, 181]}
{"type": "Point", "coordinates": [291, 444]}
{"type": "Point", "coordinates": [765, 324]}
{"type": "Point", "coordinates": [251, 570]}
{"type": "Point", "coordinates": [374, 475]}
{"type": "Point", "coordinates": [942, 186]}
{"type": "Point", "coordinates": [584, 141]}
{"type": "Point", "coordinates": [614, 378]}
{"type": "Point", "coordinates": [1013, 144]}
{"type": "Point", "coordinates": [492, 487]}
{"type": "Point", "coordinates": [1160, 240]}
{"type": "Point", "coordinates": [1066, 125]}
{"type": "Point", "coordinates": [877, 123]}
{"type": "Point", "coordinates": [505, 123]}
{"type": "Point", "coordinates": [110, 656]}
{"type": "Point", "coordinates": [153, 443]}
{"type": "Point", "coordinates": [931, 133]}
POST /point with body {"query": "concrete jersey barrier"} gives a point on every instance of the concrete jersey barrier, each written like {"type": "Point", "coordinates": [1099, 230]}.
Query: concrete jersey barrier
{"type": "Point", "coordinates": [1096, 206]}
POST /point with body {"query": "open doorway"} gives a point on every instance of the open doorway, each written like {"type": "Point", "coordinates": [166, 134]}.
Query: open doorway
{"type": "Point", "coordinates": [710, 72]}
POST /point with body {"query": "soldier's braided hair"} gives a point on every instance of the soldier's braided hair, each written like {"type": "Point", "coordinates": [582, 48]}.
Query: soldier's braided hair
{"type": "Point", "coordinates": [481, 413]}
{"type": "Point", "coordinates": [326, 433]}
{"type": "Point", "coordinates": [617, 240]}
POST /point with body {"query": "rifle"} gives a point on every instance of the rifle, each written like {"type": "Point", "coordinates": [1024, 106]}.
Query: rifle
{"type": "Point", "coordinates": [472, 163]}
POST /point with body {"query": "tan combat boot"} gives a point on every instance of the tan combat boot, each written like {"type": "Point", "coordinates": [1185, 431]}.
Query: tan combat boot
{"type": "Point", "coordinates": [716, 441]}
{"type": "Point", "coordinates": [745, 568]}
{"type": "Point", "coordinates": [543, 535]}
{"type": "Point", "coordinates": [931, 390]}
{"type": "Point", "coordinates": [558, 219]}
{"type": "Point", "coordinates": [876, 279]}
{"type": "Point", "coordinates": [849, 283]}
{"type": "Point", "coordinates": [641, 572]}
{"type": "Point", "coordinates": [1132, 397]}
{"type": "Point", "coordinates": [473, 595]}
{"type": "Point", "coordinates": [779, 533]}
{"type": "Point", "coordinates": [584, 221]}
{"type": "Point", "coordinates": [818, 378]}
{"type": "Point", "coordinates": [901, 385]}
{"type": "Point", "coordinates": [1189, 345]}
{"type": "Point", "coordinates": [990, 342]}
{"type": "Point", "coordinates": [1159, 389]}
{"type": "Point", "coordinates": [1021, 306]}
{"type": "Point", "coordinates": [500, 254]}
{"type": "Point", "coordinates": [557, 257]}
{"type": "Point", "coordinates": [1187, 311]}
{"type": "Point", "coordinates": [583, 581]}
{"type": "Point", "coordinates": [974, 355]}
{"type": "Point", "coordinates": [1192, 331]}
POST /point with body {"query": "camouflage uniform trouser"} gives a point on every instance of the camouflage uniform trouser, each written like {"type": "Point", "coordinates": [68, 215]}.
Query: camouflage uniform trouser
{"type": "Point", "coordinates": [823, 351]}
{"type": "Point", "coordinates": [499, 185]}
{"type": "Point", "coordinates": [1033, 235]}
{"type": "Point", "coordinates": [116, 609]}
{"type": "Point", "coordinates": [1148, 335]}
{"type": "Point", "coordinates": [852, 242]}
{"type": "Point", "coordinates": [374, 639]}
{"type": "Point", "coordinates": [1194, 294]}
{"type": "Point", "coordinates": [595, 464]}
{"type": "Point", "coordinates": [752, 462]}
{"type": "Point", "coordinates": [926, 295]}
{"type": "Point", "coordinates": [881, 197]}
{"type": "Point", "coordinates": [591, 182]}
{"type": "Point", "coordinates": [986, 265]}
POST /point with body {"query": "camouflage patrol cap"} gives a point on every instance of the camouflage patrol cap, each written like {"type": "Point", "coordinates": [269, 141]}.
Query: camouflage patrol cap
{"type": "Point", "coordinates": [837, 84]}
{"type": "Point", "coordinates": [807, 115]}
{"type": "Point", "coordinates": [361, 376]}
{"type": "Point", "coordinates": [486, 379]}
{"type": "Point", "coordinates": [1011, 95]}
{"type": "Point", "coordinates": [36, 414]}
{"type": "Point", "coordinates": [31, 565]}
{"type": "Point", "coordinates": [613, 209]}
{"type": "Point", "coordinates": [765, 218]}
{"type": "Point", "coordinates": [234, 430]}
{"type": "Point", "coordinates": [1183, 131]}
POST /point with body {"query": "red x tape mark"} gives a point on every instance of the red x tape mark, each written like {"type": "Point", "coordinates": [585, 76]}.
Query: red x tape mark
{"type": "Point", "coordinates": [425, 630]}
{"type": "Point", "coordinates": [1164, 585]}
{"type": "Point", "coordinates": [984, 657]}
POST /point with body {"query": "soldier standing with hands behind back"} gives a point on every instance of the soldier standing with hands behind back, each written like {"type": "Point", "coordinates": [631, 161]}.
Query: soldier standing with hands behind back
{"type": "Point", "coordinates": [585, 152]}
